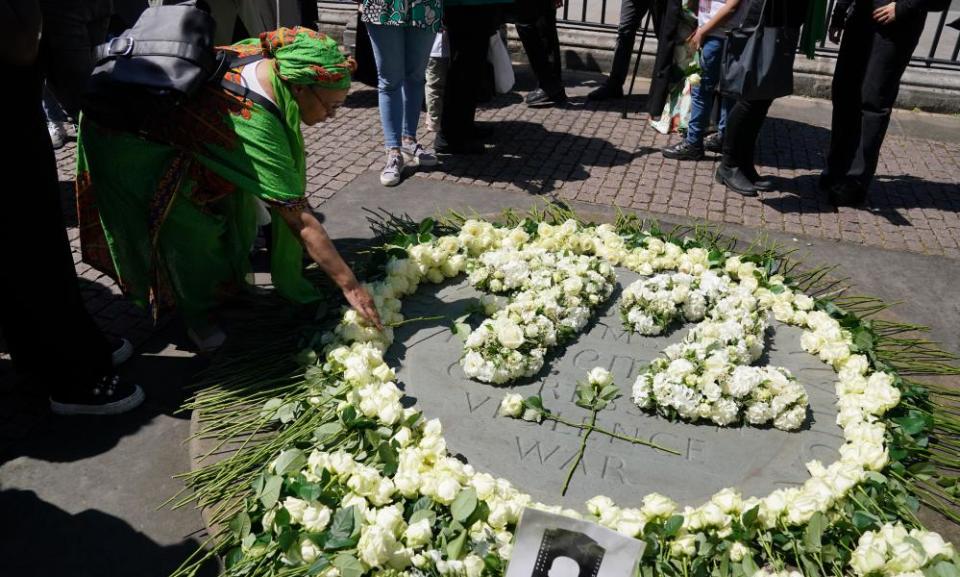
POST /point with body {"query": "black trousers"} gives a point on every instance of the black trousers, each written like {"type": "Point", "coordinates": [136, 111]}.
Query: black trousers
{"type": "Point", "coordinates": [871, 62]}
{"type": "Point", "coordinates": [536, 22]}
{"type": "Point", "coordinates": [631, 16]}
{"type": "Point", "coordinates": [51, 337]}
{"type": "Point", "coordinates": [744, 122]}
{"type": "Point", "coordinates": [468, 29]}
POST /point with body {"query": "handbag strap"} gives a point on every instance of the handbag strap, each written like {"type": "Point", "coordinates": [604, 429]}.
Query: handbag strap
{"type": "Point", "coordinates": [245, 92]}
{"type": "Point", "coordinates": [128, 47]}
{"type": "Point", "coordinates": [760, 20]}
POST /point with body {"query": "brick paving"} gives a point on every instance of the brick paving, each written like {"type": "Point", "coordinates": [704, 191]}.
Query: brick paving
{"type": "Point", "coordinates": [586, 152]}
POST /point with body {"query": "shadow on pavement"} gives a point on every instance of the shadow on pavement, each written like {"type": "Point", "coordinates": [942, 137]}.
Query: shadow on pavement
{"type": "Point", "coordinates": [46, 540]}
{"type": "Point", "coordinates": [536, 159]}
{"type": "Point", "coordinates": [162, 367]}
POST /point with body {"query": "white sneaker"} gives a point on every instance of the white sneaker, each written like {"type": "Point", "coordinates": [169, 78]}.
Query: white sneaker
{"type": "Point", "coordinates": [416, 155]}
{"type": "Point", "coordinates": [392, 173]}
{"type": "Point", "coordinates": [123, 350]}
{"type": "Point", "coordinates": [58, 134]}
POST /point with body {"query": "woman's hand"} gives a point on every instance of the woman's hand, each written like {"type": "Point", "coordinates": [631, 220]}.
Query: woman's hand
{"type": "Point", "coordinates": [695, 40]}
{"type": "Point", "coordinates": [314, 238]}
{"type": "Point", "coordinates": [360, 299]}
{"type": "Point", "coordinates": [885, 14]}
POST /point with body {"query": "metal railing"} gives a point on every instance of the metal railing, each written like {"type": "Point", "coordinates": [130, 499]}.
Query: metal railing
{"type": "Point", "coordinates": [939, 45]}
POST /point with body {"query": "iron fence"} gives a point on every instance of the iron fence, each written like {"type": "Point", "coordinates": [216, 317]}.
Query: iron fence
{"type": "Point", "coordinates": [939, 45]}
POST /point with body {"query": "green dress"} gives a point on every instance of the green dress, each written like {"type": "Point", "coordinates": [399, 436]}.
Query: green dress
{"type": "Point", "coordinates": [172, 214]}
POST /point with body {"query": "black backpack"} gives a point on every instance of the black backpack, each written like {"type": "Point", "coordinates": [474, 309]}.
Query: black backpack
{"type": "Point", "coordinates": [161, 62]}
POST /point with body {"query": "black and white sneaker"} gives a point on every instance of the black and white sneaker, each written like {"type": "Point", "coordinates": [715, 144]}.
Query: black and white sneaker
{"type": "Point", "coordinates": [683, 150]}
{"type": "Point", "coordinates": [122, 350]}
{"type": "Point", "coordinates": [540, 98]}
{"type": "Point", "coordinates": [713, 143]}
{"type": "Point", "coordinates": [109, 395]}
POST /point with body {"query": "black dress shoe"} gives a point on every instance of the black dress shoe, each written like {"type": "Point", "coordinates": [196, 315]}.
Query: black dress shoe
{"type": "Point", "coordinates": [847, 194]}
{"type": "Point", "coordinates": [460, 147]}
{"type": "Point", "coordinates": [763, 184]}
{"type": "Point", "coordinates": [605, 92]}
{"type": "Point", "coordinates": [540, 98]}
{"type": "Point", "coordinates": [735, 180]}
{"type": "Point", "coordinates": [713, 143]}
{"type": "Point", "coordinates": [683, 150]}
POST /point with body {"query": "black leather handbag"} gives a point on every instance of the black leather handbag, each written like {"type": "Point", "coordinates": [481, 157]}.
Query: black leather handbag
{"type": "Point", "coordinates": [166, 57]}
{"type": "Point", "coordinates": [758, 59]}
{"type": "Point", "coordinates": [158, 64]}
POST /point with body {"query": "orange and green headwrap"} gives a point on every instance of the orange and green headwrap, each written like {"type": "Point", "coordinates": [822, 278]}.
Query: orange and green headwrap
{"type": "Point", "coordinates": [304, 56]}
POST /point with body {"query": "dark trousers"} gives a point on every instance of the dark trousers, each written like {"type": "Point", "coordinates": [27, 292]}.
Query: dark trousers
{"type": "Point", "coordinates": [871, 62]}
{"type": "Point", "coordinates": [536, 22]}
{"type": "Point", "coordinates": [72, 29]}
{"type": "Point", "coordinates": [468, 29]}
{"type": "Point", "coordinates": [50, 336]}
{"type": "Point", "coordinates": [744, 122]}
{"type": "Point", "coordinates": [631, 16]}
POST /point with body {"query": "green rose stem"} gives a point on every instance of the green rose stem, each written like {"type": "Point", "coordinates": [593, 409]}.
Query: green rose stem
{"type": "Point", "coordinates": [415, 320]}
{"type": "Point", "coordinates": [583, 447]}
{"type": "Point", "coordinates": [592, 427]}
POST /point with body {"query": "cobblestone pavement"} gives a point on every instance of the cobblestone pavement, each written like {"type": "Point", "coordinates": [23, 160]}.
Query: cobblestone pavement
{"type": "Point", "coordinates": [586, 152]}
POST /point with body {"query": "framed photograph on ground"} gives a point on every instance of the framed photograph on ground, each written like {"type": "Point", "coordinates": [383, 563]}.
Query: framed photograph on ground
{"type": "Point", "coordinates": [550, 545]}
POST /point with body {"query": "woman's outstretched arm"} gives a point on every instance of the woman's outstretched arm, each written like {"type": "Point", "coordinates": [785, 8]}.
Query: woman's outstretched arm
{"type": "Point", "coordinates": [320, 248]}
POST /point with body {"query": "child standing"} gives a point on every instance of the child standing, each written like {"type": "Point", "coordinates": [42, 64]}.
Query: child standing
{"type": "Point", "coordinates": [436, 80]}
{"type": "Point", "coordinates": [715, 18]}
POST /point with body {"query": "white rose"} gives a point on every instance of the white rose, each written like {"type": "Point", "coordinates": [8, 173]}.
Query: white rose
{"type": "Point", "coordinates": [738, 551]}
{"type": "Point", "coordinates": [418, 534]}
{"type": "Point", "coordinates": [376, 545]}
{"type": "Point", "coordinates": [685, 546]}
{"type": "Point", "coordinates": [656, 506]}
{"type": "Point", "coordinates": [316, 518]}
{"type": "Point", "coordinates": [511, 405]}
{"type": "Point", "coordinates": [599, 504]}
{"type": "Point", "coordinates": [510, 334]}
{"type": "Point", "coordinates": [484, 484]}
{"type": "Point", "coordinates": [308, 550]}
{"type": "Point", "coordinates": [473, 565]}
{"type": "Point", "coordinates": [599, 376]}
{"type": "Point", "coordinates": [447, 491]}
{"type": "Point", "coordinates": [296, 508]}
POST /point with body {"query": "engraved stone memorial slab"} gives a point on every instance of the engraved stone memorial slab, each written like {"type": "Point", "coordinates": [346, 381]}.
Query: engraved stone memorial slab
{"type": "Point", "coordinates": [535, 457]}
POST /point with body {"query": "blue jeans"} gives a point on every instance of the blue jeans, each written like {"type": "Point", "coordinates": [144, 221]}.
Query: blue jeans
{"type": "Point", "coordinates": [402, 54]}
{"type": "Point", "coordinates": [702, 96]}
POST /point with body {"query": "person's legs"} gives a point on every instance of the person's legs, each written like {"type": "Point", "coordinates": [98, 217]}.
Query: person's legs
{"type": "Point", "coordinates": [702, 96]}
{"type": "Point", "coordinates": [631, 15]}
{"type": "Point", "coordinates": [72, 30]}
{"type": "Point", "coordinates": [468, 29]}
{"type": "Point", "coordinates": [417, 45]}
{"type": "Point", "coordinates": [388, 49]}
{"type": "Point", "coordinates": [533, 23]}
{"type": "Point", "coordinates": [53, 341]}
{"type": "Point", "coordinates": [547, 26]}
{"type": "Point", "coordinates": [746, 143]}
{"type": "Point", "coordinates": [436, 81]}
{"type": "Point", "coordinates": [892, 47]}
{"type": "Point", "coordinates": [846, 124]}
{"type": "Point", "coordinates": [701, 104]}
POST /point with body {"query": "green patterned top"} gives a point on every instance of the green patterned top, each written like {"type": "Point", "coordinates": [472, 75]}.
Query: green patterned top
{"type": "Point", "coordinates": [416, 13]}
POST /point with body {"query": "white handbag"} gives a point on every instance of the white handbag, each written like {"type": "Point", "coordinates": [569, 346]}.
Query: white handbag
{"type": "Point", "coordinates": [503, 77]}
